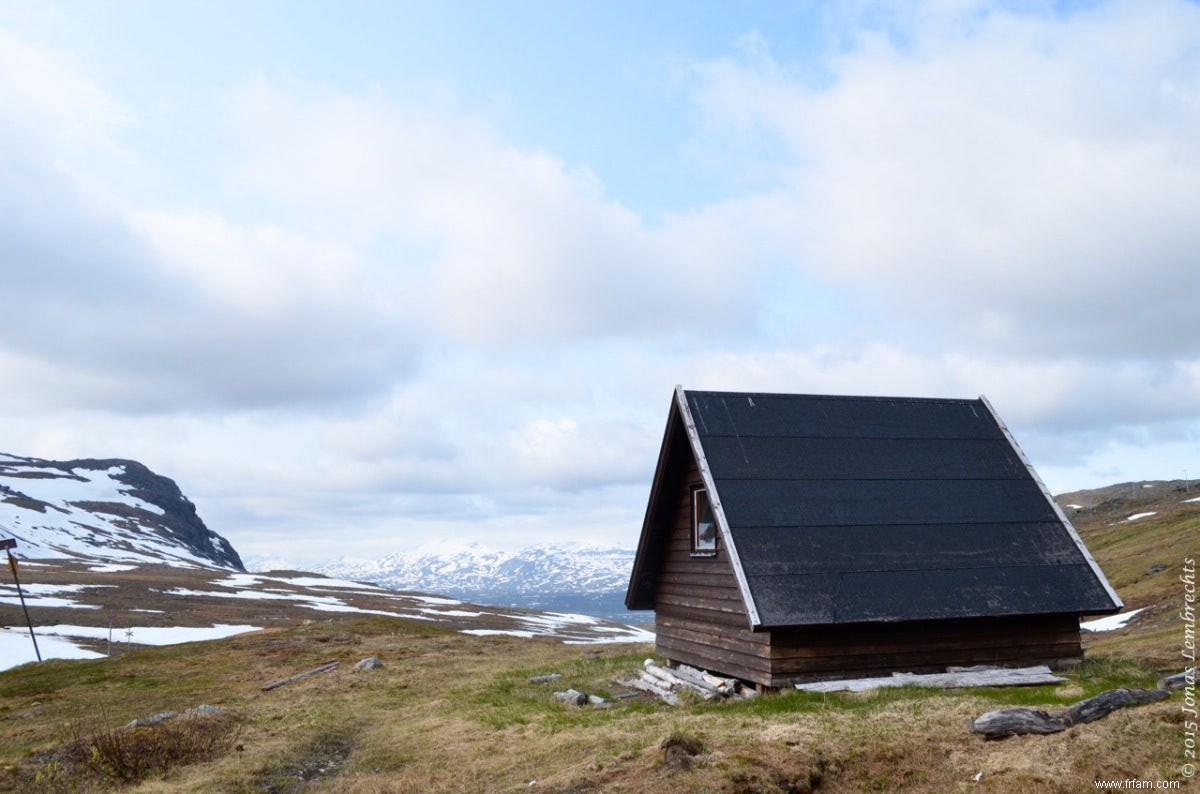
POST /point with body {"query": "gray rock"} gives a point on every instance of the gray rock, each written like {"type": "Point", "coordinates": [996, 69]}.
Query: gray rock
{"type": "Point", "coordinates": [204, 710]}
{"type": "Point", "coordinates": [157, 719]}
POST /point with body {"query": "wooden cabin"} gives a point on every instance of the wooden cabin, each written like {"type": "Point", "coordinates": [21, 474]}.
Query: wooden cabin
{"type": "Point", "coordinates": [794, 538]}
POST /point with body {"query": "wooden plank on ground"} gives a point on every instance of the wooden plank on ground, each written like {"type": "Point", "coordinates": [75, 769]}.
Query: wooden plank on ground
{"type": "Point", "coordinates": [1025, 676]}
{"type": "Point", "coordinates": [332, 665]}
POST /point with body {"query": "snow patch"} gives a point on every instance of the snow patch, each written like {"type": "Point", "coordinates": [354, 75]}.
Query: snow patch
{"type": "Point", "coordinates": [16, 648]}
{"type": "Point", "coordinates": [47, 595]}
{"type": "Point", "coordinates": [491, 632]}
{"type": "Point", "coordinates": [240, 581]}
{"type": "Point", "coordinates": [1136, 516]}
{"type": "Point", "coordinates": [632, 635]}
{"type": "Point", "coordinates": [149, 635]}
{"type": "Point", "coordinates": [112, 568]}
{"type": "Point", "coordinates": [1110, 623]}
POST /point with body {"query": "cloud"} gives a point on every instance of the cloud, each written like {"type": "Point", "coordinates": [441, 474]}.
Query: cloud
{"type": "Point", "coordinates": [389, 320]}
{"type": "Point", "coordinates": [1024, 180]}
{"type": "Point", "coordinates": [1066, 395]}
{"type": "Point", "coordinates": [137, 310]}
{"type": "Point", "coordinates": [108, 305]}
{"type": "Point", "coordinates": [51, 104]}
{"type": "Point", "coordinates": [504, 245]}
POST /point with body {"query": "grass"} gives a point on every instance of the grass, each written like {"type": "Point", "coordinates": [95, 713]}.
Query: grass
{"type": "Point", "coordinates": [450, 712]}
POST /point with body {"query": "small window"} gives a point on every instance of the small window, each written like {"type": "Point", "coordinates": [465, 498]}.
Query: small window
{"type": "Point", "coordinates": [704, 525]}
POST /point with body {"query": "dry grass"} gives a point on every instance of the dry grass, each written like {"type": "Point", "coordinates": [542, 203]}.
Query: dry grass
{"type": "Point", "coordinates": [456, 713]}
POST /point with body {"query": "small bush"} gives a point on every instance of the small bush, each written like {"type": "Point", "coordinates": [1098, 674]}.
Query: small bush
{"type": "Point", "coordinates": [130, 754]}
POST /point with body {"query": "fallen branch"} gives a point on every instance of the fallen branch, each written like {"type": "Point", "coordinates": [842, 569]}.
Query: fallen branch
{"type": "Point", "coordinates": [322, 669]}
{"type": "Point", "coordinates": [1010, 722]}
{"type": "Point", "coordinates": [1179, 680]}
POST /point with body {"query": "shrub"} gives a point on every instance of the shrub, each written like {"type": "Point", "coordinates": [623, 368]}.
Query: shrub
{"type": "Point", "coordinates": [132, 753]}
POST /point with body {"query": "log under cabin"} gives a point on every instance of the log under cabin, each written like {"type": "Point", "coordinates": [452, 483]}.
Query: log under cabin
{"type": "Point", "coordinates": [793, 538]}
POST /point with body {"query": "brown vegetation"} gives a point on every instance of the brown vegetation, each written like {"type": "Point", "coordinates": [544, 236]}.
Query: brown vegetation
{"type": "Point", "coordinates": [458, 713]}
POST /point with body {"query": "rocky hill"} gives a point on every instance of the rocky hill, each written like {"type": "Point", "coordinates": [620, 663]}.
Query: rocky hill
{"type": "Point", "coordinates": [104, 510]}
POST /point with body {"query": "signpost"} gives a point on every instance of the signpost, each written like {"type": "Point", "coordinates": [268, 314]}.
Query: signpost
{"type": "Point", "coordinates": [7, 545]}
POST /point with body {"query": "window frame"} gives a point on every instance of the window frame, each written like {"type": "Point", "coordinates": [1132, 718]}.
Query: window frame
{"type": "Point", "coordinates": [699, 492]}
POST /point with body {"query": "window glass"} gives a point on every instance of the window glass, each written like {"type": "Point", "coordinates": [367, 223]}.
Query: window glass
{"type": "Point", "coordinates": [704, 526]}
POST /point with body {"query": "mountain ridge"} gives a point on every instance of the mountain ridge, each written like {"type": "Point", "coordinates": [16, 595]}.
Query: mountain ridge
{"type": "Point", "coordinates": [570, 577]}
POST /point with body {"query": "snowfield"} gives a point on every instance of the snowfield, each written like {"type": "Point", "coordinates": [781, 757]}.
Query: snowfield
{"type": "Point", "coordinates": [56, 642]}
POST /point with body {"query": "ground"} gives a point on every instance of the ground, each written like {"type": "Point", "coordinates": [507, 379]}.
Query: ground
{"type": "Point", "coordinates": [457, 713]}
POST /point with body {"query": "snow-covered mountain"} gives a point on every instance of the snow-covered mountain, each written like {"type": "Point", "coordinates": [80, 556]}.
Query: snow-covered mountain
{"type": "Point", "coordinates": [567, 577]}
{"type": "Point", "coordinates": [104, 510]}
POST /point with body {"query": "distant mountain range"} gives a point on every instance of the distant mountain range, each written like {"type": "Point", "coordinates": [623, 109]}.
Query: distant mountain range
{"type": "Point", "coordinates": [558, 577]}
{"type": "Point", "coordinates": [110, 510]}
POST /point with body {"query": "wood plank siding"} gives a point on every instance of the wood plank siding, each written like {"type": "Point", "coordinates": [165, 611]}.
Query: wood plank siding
{"type": "Point", "coordinates": [824, 652]}
{"type": "Point", "coordinates": [699, 615]}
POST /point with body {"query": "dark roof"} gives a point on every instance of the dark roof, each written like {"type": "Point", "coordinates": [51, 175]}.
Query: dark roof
{"type": "Point", "coordinates": [862, 509]}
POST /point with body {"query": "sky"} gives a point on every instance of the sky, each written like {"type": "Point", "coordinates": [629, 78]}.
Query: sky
{"type": "Point", "coordinates": [369, 277]}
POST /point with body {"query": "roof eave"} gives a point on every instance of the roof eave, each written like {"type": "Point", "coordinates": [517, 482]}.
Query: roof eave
{"type": "Point", "coordinates": [714, 500]}
{"type": "Point", "coordinates": [1058, 511]}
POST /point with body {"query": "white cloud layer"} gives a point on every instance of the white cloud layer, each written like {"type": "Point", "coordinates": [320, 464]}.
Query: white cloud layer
{"type": "Point", "coordinates": [386, 316]}
{"type": "Point", "coordinates": [1018, 176]}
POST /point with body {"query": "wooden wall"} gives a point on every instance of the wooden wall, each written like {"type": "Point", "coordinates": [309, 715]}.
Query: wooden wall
{"type": "Point", "coordinates": [824, 652]}
{"type": "Point", "coordinates": [699, 617]}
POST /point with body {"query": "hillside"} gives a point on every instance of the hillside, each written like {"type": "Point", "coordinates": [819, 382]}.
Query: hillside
{"type": "Point", "coordinates": [1141, 533]}
{"type": "Point", "coordinates": [457, 712]}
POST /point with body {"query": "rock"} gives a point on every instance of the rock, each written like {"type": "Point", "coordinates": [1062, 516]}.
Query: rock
{"type": "Point", "coordinates": [573, 697]}
{"type": "Point", "coordinates": [370, 663]}
{"type": "Point", "coordinates": [157, 719]}
{"type": "Point", "coordinates": [204, 710]}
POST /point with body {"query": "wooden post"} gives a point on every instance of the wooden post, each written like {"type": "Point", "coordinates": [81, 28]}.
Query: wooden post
{"type": "Point", "coordinates": [8, 544]}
